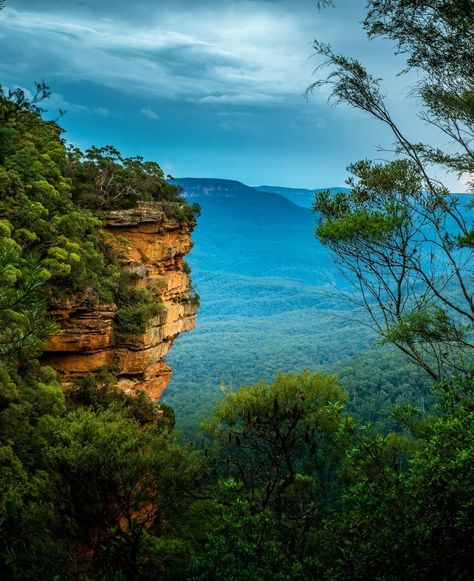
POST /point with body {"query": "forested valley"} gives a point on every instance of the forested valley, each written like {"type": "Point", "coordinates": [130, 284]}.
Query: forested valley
{"type": "Point", "coordinates": [341, 472]}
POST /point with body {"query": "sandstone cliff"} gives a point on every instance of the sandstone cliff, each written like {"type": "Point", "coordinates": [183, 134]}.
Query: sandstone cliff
{"type": "Point", "coordinates": [152, 246]}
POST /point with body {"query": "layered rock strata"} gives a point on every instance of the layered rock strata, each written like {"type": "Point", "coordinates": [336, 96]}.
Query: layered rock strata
{"type": "Point", "coordinates": [152, 246]}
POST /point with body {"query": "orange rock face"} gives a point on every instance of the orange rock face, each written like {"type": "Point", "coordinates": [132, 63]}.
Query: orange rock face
{"type": "Point", "coordinates": [153, 247]}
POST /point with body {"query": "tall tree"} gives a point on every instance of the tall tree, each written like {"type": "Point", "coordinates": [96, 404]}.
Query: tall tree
{"type": "Point", "coordinates": [405, 242]}
{"type": "Point", "coordinates": [280, 442]}
{"type": "Point", "coordinates": [24, 325]}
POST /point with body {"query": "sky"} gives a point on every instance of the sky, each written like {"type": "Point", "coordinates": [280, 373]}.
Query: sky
{"type": "Point", "coordinates": [207, 88]}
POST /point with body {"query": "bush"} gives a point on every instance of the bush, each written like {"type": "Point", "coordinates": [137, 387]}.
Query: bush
{"type": "Point", "coordinates": [103, 180]}
{"type": "Point", "coordinates": [131, 321]}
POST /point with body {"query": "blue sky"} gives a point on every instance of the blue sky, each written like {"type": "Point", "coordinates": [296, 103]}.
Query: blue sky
{"type": "Point", "coordinates": [211, 88]}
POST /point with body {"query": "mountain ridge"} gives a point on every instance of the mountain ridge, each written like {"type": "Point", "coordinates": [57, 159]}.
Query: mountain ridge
{"type": "Point", "coordinates": [300, 196]}
{"type": "Point", "coordinates": [206, 188]}
{"type": "Point", "coordinates": [212, 188]}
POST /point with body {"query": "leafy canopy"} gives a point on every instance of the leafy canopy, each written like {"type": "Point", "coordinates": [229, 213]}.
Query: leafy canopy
{"type": "Point", "coordinates": [400, 237]}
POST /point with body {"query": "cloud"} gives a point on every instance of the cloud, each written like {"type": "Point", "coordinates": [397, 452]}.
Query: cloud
{"type": "Point", "coordinates": [147, 112]}
{"type": "Point", "coordinates": [240, 98]}
{"type": "Point", "coordinates": [207, 53]}
{"type": "Point", "coordinates": [226, 76]}
{"type": "Point", "coordinates": [103, 111]}
{"type": "Point", "coordinates": [56, 102]}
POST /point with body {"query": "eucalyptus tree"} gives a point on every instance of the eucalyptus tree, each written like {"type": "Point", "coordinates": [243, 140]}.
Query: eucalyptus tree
{"type": "Point", "coordinates": [405, 243]}
{"type": "Point", "coordinates": [280, 443]}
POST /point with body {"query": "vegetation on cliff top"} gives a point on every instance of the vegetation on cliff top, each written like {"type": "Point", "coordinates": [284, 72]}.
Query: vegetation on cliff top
{"type": "Point", "coordinates": [63, 463]}
{"type": "Point", "coordinates": [52, 196]}
{"type": "Point", "coordinates": [51, 199]}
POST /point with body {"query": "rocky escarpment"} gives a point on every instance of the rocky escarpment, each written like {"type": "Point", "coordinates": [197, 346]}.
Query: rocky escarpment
{"type": "Point", "coordinates": [152, 248]}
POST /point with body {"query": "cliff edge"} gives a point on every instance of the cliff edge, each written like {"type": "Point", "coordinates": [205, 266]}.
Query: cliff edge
{"type": "Point", "coordinates": [151, 247]}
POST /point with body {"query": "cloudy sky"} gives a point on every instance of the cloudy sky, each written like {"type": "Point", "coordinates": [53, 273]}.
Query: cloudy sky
{"type": "Point", "coordinates": [208, 88]}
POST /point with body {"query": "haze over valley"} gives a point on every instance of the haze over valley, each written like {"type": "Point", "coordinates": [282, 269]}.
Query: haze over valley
{"type": "Point", "coordinates": [272, 299]}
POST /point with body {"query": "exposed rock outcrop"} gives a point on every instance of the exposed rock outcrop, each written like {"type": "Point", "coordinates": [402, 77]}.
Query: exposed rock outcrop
{"type": "Point", "coordinates": [152, 246]}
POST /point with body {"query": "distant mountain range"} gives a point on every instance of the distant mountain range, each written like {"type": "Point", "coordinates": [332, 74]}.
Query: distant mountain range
{"type": "Point", "coordinates": [299, 196]}
{"type": "Point", "coordinates": [250, 232]}
{"type": "Point", "coordinates": [202, 188]}
{"type": "Point", "coordinates": [205, 188]}
{"type": "Point", "coordinates": [271, 300]}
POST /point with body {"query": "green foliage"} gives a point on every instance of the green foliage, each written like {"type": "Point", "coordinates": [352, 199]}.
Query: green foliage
{"type": "Point", "coordinates": [35, 197]}
{"type": "Point", "coordinates": [241, 545]}
{"type": "Point", "coordinates": [370, 226]}
{"type": "Point", "coordinates": [406, 508]}
{"type": "Point", "coordinates": [131, 321]}
{"type": "Point", "coordinates": [281, 443]}
{"type": "Point", "coordinates": [373, 210]}
{"type": "Point", "coordinates": [287, 487]}
{"type": "Point", "coordinates": [183, 213]}
{"type": "Point", "coordinates": [136, 307]}
{"type": "Point", "coordinates": [404, 249]}
{"type": "Point", "coordinates": [30, 402]}
{"type": "Point", "coordinates": [23, 322]}
{"type": "Point", "coordinates": [47, 193]}
{"type": "Point", "coordinates": [90, 486]}
{"type": "Point", "coordinates": [229, 349]}
{"type": "Point", "coordinates": [122, 477]}
{"type": "Point", "coordinates": [99, 391]}
{"type": "Point", "coordinates": [401, 521]}
{"type": "Point", "coordinates": [186, 267]}
{"type": "Point", "coordinates": [429, 324]}
{"type": "Point", "coordinates": [103, 179]}
{"type": "Point", "coordinates": [30, 399]}
{"type": "Point", "coordinates": [424, 261]}
{"type": "Point", "coordinates": [194, 296]}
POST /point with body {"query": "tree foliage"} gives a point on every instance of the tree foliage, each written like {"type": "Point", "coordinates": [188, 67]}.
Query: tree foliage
{"type": "Point", "coordinates": [415, 522]}
{"type": "Point", "coordinates": [280, 442]}
{"type": "Point", "coordinates": [53, 523]}
{"type": "Point", "coordinates": [404, 241]}
{"type": "Point", "coordinates": [47, 193]}
{"type": "Point", "coordinates": [24, 325]}
{"type": "Point", "coordinates": [104, 179]}
{"type": "Point", "coordinates": [400, 247]}
{"type": "Point", "coordinates": [123, 481]}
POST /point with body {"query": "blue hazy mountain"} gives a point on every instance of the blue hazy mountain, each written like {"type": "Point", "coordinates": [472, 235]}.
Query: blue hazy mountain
{"type": "Point", "coordinates": [299, 196]}
{"type": "Point", "coordinates": [243, 231]}
{"type": "Point", "coordinates": [270, 301]}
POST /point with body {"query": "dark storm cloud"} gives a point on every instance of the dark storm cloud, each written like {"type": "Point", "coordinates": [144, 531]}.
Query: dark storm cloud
{"type": "Point", "coordinates": [209, 50]}
{"type": "Point", "coordinates": [207, 87]}
{"type": "Point", "coordinates": [252, 50]}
